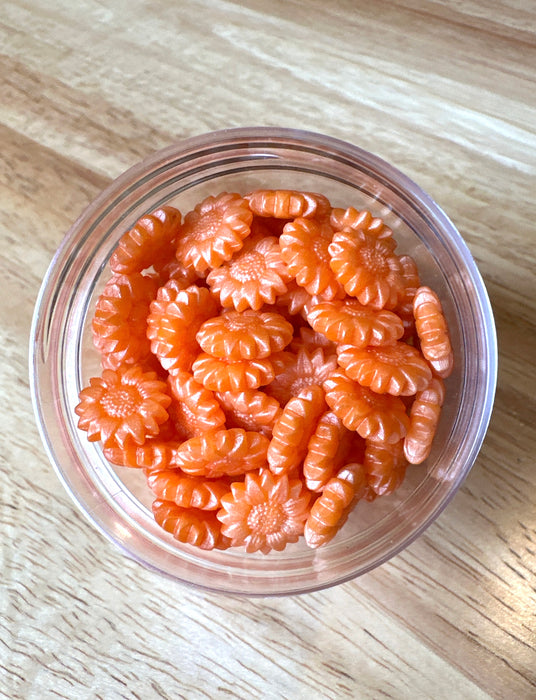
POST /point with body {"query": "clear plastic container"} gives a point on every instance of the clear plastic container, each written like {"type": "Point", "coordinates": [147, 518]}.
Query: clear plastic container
{"type": "Point", "coordinates": [116, 499]}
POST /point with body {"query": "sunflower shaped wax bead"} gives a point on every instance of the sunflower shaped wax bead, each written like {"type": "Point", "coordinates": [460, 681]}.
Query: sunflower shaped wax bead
{"type": "Point", "coordinates": [327, 451]}
{"type": "Point", "coordinates": [423, 421]}
{"type": "Point", "coordinates": [297, 371]}
{"type": "Point", "coordinates": [331, 509]}
{"type": "Point", "coordinates": [349, 322]}
{"type": "Point", "coordinates": [252, 410]}
{"type": "Point", "coordinates": [174, 319]}
{"type": "Point", "coordinates": [154, 454]}
{"type": "Point", "coordinates": [195, 409]}
{"type": "Point", "coordinates": [196, 527]}
{"type": "Point", "coordinates": [188, 491]}
{"type": "Point", "coordinates": [433, 331]}
{"type": "Point", "coordinates": [213, 231]}
{"type": "Point", "coordinates": [357, 220]}
{"type": "Point", "coordinates": [294, 428]}
{"type": "Point", "coordinates": [288, 204]}
{"type": "Point", "coordinates": [219, 374]}
{"type": "Point", "coordinates": [310, 340]}
{"type": "Point", "coordinates": [148, 242]}
{"type": "Point", "coordinates": [385, 465]}
{"type": "Point", "coordinates": [119, 322]}
{"type": "Point", "coordinates": [122, 406]}
{"type": "Point", "coordinates": [255, 275]}
{"type": "Point", "coordinates": [398, 369]}
{"type": "Point", "coordinates": [404, 307]}
{"type": "Point", "coordinates": [264, 512]}
{"type": "Point", "coordinates": [367, 268]}
{"type": "Point", "coordinates": [244, 335]}
{"type": "Point", "coordinates": [374, 416]}
{"type": "Point", "coordinates": [222, 453]}
{"type": "Point", "coordinates": [304, 247]}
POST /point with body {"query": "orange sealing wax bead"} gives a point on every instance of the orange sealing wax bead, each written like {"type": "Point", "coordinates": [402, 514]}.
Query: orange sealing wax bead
{"type": "Point", "coordinates": [304, 247]}
{"type": "Point", "coordinates": [265, 512]}
{"type": "Point", "coordinates": [288, 204]}
{"type": "Point", "coordinates": [122, 406]}
{"type": "Point", "coordinates": [188, 491]}
{"type": "Point", "coordinates": [218, 374]}
{"type": "Point", "coordinates": [397, 369]}
{"type": "Point", "coordinates": [119, 323]}
{"type": "Point", "coordinates": [195, 409]}
{"type": "Point", "coordinates": [349, 322]}
{"type": "Point", "coordinates": [385, 465]}
{"type": "Point", "coordinates": [251, 410]}
{"type": "Point", "coordinates": [154, 454]}
{"type": "Point", "coordinates": [147, 241]}
{"type": "Point", "coordinates": [297, 371]}
{"type": "Point", "coordinates": [174, 319]}
{"type": "Point", "coordinates": [222, 453]}
{"type": "Point", "coordinates": [432, 331]}
{"type": "Point", "coordinates": [330, 510]}
{"type": "Point", "coordinates": [293, 429]}
{"type": "Point", "coordinates": [327, 451]}
{"type": "Point", "coordinates": [359, 221]}
{"type": "Point", "coordinates": [189, 525]}
{"type": "Point", "coordinates": [373, 416]}
{"type": "Point", "coordinates": [214, 231]}
{"type": "Point", "coordinates": [245, 335]}
{"type": "Point", "coordinates": [253, 277]}
{"type": "Point", "coordinates": [367, 268]}
{"type": "Point", "coordinates": [423, 420]}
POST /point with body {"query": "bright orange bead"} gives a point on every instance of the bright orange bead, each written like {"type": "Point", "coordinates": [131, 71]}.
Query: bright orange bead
{"type": "Point", "coordinates": [195, 409]}
{"type": "Point", "coordinates": [222, 453]}
{"type": "Point", "coordinates": [397, 369]}
{"type": "Point", "coordinates": [245, 335]}
{"type": "Point", "coordinates": [373, 416]}
{"type": "Point", "coordinates": [423, 421]}
{"type": "Point", "coordinates": [214, 231]}
{"type": "Point", "coordinates": [327, 451]}
{"type": "Point", "coordinates": [360, 221]}
{"type": "Point", "coordinates": [251, 410]}
{"type": "Point", "coordinates": [148, 241]}
{"type": "Point", "coordinates": [330, 510]}
{"type": "Point", "coordinates": [188, 491]}
{"type": "Point", "coordinates": [297, 371]}
{"type": "Point", "coordinates": [189, 525]}
{"type": "Point", "coordinates": [218, 374]}
{"type": "Point", "coordinates": [433, 331]}
{"type": "Point", "coordinates": [293, 429]}
{"type": "Point", "coordinates": [385, 465]}
{"type": "Point", "coordinates": [288, 204]}
{"type": "Point", "coordinates": [265, 512]}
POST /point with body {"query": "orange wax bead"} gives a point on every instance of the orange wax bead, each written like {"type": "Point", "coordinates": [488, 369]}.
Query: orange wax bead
{"type": "Point", "coordinates": [214, 231]}
{"type": "Point", "coordinates": [297, 371]}
{"type": "Point", "coordinates": [310, 340]}
{"type": "Point", "coordinates": [432, 331]}
{"type": "Point", "coordinates": [367, 268]}
{"type": "Point", "coordinates": [359, 221]}
{"type": "Point", "coordinates": [127, 405]}
{"type": "Point", "coordinates": [327, 451]}
{"type": "Point", "coordinates": [222, 453]}
{"type": "Point", "coordinates": [252, 410]}
{"type": "Point", "coordinates": [293, 429]}
{"type": "Point", "coordinates": [245, 335]}
{"type": "Point", "coordinates": [175, 317]}
{"type": "Point", "coordinates": [195, 409]}
{"type": "Point", "coordinates": [154, 454]}
{"type": "Point", "coordinates": [218, 374]}
{"type": "Point", "coordinates": [304, 247]}
{"type": "Point", "coordinates": [350, 322]}
{"type": "Point", "coordinates": [147, 242]}
{"type": "Point", "coordinates": [265, 512]}
{"type": "Point", "coordinates": [373, 416]}
{"type": "Point", "coordinates": [330, 510]}
{"type": "Point", "coordinates": [188, 491]}
{"type": "Point", "coordinates": [288, 204]}
{"type": "Point", "coordinates": [253, 277]}
{"type": "Point", "coordinates": [423, 420]}
{"type": "Point", "coordinates": [119, 323]}
{"type": "Point", "coordinates": [397, 369]}
{"type": "Point", "coordinates": [385, 465]}
{"type": "Point", "coordinates": [189, 525]}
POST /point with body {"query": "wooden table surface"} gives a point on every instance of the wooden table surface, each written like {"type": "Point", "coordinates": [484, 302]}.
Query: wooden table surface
{"type": "Point", "coordinates": [446, 91]}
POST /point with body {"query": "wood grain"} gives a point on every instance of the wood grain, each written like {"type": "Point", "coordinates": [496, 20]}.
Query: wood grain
{"type": "Point", "coordinates": [445, 90]}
